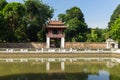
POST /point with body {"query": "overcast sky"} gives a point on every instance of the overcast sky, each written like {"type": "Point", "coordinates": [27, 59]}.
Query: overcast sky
{"type": "Point", "coordinates": [96, 12]}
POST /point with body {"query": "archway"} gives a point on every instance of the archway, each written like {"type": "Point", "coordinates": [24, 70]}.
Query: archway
{"type": "Point", "coordinates": [112, 45]}
{"type": "Point", "coordinates": [55, 42]}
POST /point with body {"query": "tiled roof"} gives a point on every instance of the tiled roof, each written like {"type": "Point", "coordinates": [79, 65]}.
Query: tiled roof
{"type": "Point", "coordinates": [51, 26]}
{"type": "Point", "coordinates": [55, 24]}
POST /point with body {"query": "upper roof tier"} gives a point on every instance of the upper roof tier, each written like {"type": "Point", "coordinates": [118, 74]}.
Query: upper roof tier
{"type": "Point", "coordinates": [55, 24]}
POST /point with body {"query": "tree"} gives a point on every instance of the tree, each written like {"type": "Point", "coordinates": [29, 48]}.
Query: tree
{"type": "Point", "coordinates": [115, 29]}
{"type": "Point", "coordinates": [77, 27]}
{"type": "Point", "coordinates": [2, 4]}
{"type": "Point", "coordinates": [97, 35]}
{"type": "Point", "coordinates": [102, 34]}
{"type": "Point", "coordinates": [13, 14]}
{"type": "Point", "coordinates": [1, 27]}
{"type": "Point", "coordinates": [93, 36]}
{"type": "Point", "coordinates": [114, 16]}
{"type": "Point", "coordinates": [23, 22]}
{"type": "Point", "coordinates": [37, 15]}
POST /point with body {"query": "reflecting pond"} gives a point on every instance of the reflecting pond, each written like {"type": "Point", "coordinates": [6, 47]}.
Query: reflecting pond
{"type": "Point", "coordinates": [73, 71]}
{"type": "Point", "coordinates": [102, 75]}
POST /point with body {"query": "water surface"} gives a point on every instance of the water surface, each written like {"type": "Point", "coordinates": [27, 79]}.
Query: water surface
{"type": "Point", "coordinates": [102, 75]}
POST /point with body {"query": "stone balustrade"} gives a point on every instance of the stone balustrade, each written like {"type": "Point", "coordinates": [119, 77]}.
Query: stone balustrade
{"type": "Point", "coordinates": [56, 50]}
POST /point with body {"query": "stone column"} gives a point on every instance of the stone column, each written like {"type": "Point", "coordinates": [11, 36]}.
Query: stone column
{"type": "Point", "coordinates": [48, 66]}
{"type": "Point", "coordinates": [116, 45]}
{"type": "Point", "coordinates": [42, 50]}
{"type": "Point", "coordinates": [108, 45]}
{"type": "Point", "coordinates": [48, 42]}
{"type": "Point", "coordinates": [62, 66]}
{"type": "Point", "coordinates": [62, 42]}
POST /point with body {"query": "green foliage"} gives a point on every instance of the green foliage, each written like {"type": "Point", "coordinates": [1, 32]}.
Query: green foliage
{"type": "Point", "coordinates": [77, 28]}
{"type": "Point", "coordinates": [1, 26]}
{"type": "Point", "coordinates": [94, 35]}
{"type": "Point", "coordinates": [23, 22]}
{"type": "Point", "coordinates": [114, 24]}
{"type": "Point", "coordinates": [71, 13]}
{"type": "Point", "coordinates": [114, 16]}
{"type": "Point", "coordinates": [13, 14]}
{"type": "Point", "coordinates": [97, 35]}
{"type": "Point", "coordinates": [2, 4]}
{"type": "Point", "coordinates": [115, 30]}
{"type": "Point", "coordinates": [37, 15]}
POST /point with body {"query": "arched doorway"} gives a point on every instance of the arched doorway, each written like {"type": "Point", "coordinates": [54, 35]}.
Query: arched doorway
{"type": "Point", "coordinates": [112, 45]}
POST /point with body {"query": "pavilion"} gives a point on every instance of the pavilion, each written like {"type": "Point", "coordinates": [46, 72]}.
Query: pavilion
{"type": "Point", "coordinates": [55, 37]}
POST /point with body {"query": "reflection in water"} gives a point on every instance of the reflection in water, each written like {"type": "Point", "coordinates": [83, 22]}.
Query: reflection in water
{"type": "Point", "coordinates": [102, 75]}
{"type": "Point", "coordinates": [22, 78]}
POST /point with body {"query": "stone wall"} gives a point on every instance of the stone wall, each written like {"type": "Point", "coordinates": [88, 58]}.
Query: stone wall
{"type": "Point", "coordinates": [43, 45]}
{"type": "Point", "coordinates": [23, 45]}
{"type": "Point", "coordinates": [85, 45]}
